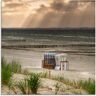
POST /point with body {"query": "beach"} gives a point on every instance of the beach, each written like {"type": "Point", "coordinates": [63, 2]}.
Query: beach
{"type": "Point", "coordinates": [80, 66]}
{"type": "Point", "coordinates": [28, 46]}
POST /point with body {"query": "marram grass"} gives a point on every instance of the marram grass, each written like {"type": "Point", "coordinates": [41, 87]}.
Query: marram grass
{"type": "Point", "coordinates": [16, 67]}
{"type": "Point", "coordinates": [88, 85]}
{"type": "Point", "coordinates": [23, 86]}
{"type": "Point", "coordinates": [7, 70]}
{"type": "Point", "coordinates": [34, 82]}
{"type": "Point", "coordinates": [30, 85]}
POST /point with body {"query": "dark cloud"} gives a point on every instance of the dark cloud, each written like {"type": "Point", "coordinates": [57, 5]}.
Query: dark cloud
{"type": "Point", "coordinates": [42, 8]}
{"type": "Point", "coordinates": [6, 0]}
{"type": "Point", "coordinates": [71, 6]}
{"type": "Point", "coordinates": [13, 5]}
{"type": "Point", "coordinates": [61, 6]}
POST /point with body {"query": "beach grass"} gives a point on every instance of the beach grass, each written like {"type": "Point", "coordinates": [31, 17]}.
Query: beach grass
{"type": "Point", "coordinates": [23, 86]}
{"type": "Point", "coordinates": [16, 66]}
{"type": "Point", "coordinates": [8, 69]}
{"type": "Point", "coordinates": [34, 82]}
{"type": "Point", "coordinates": [6, 72]}
{"type": "Point", "coordinates": [44, 74]}
{"type": "Point", "coordinates": [57, 88]}
{"type": "Point", "coordinates": [30, 84]}
{"type": "Point", "coordinates": [88, 85]}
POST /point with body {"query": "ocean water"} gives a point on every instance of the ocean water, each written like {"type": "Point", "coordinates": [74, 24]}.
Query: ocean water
{"type": "Point", "coordinates": [70, 40]}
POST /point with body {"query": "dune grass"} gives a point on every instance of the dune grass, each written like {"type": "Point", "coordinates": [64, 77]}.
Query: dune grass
{"type": "Point", "coordinates": [7, 70]}
{"type": "Point", "coordinates": [16, 67]}
{"type": "Point", "coordinates": [25, 72]}
{"type": "Point", "coordinates": [88, 85]}
{"type": "Point", "coordinates": [30, 85]}
{"type": "Point", "coordinates": [34, 82]}
{"type": "Point", "coordinates": [57, 87]}
{"type": "Point", "coordinates": [23, 86]}
{"type": "Point", "coordinates": [6, 74]}
{"type": "Point", "coordinates": [43, 74]}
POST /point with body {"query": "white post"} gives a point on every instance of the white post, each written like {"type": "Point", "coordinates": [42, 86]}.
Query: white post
{"type": "Point", "coordinates": [61, 65]}
{"type": "Point", "coordinates": [65, 66]}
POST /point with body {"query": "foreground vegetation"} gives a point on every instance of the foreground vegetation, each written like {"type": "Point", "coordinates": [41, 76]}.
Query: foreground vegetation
{"type": "Point", "coordinates": [88, 85]}
{"type": "Point", "coordinates": [6, 72]}
{"type": "Point", "coordinates": [32, 82]}
{"type": "Point", "coordinates": [30, 85]}
{"type": "Point", "coordinates": [8, 69]}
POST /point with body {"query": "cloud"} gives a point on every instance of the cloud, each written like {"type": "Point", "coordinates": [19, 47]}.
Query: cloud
{"type": "Point", "coordinates": [61, 6]}
{"type": "Point", "coordinates": [58, 14]}
{"type": "Point", "coordinates": [63, 15]}
{"type": "Point", "coordinates": [6, 0]}
{"type": "Point", "coordinates": [71, 5]}
{"type": "Point", "coordinates": [13, 5]}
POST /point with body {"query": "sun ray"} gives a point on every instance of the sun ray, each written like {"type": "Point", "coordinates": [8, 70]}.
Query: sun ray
{"type": "Point", "coordinates": [66, 1]}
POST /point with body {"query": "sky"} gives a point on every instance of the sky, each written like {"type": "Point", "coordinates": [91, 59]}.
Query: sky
{"type": "Point", "coordinates": [48, 13]}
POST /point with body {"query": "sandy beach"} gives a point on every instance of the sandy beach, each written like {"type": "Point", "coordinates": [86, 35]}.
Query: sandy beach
{"type": "Point", "coordinates": [80, 66]}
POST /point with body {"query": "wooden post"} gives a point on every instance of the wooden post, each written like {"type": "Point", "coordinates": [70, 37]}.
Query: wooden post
{"type": "Point", "coordinates": [49, 73]}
